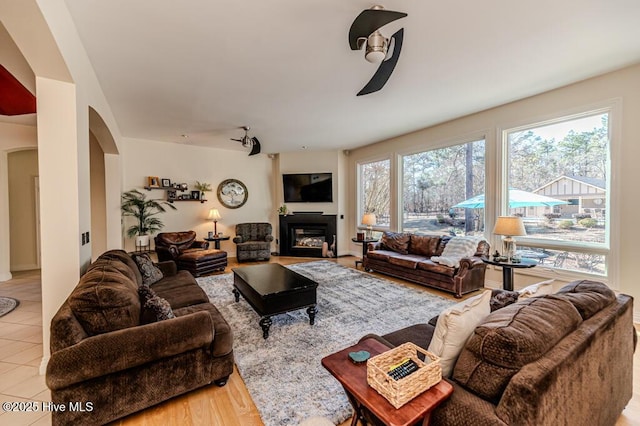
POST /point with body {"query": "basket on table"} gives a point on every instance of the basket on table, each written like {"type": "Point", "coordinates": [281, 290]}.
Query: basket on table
{"type": "Point", "coordinates": [399, 392]}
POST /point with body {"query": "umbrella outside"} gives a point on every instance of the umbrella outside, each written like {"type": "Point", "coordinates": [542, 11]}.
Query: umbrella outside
{"type": "Point", "coordinates": [517, 198]}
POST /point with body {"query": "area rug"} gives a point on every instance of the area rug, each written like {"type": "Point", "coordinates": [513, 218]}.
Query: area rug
{"type": "Point", "coordinates": [283, 373]}
{"type": "Point", "coordinates": [7, 304]}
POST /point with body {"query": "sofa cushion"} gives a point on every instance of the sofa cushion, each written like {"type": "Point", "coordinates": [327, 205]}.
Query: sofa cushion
{"type": "Point", "coordinates": [589, 297]}
{"type": "Point", "coordinates": [123, 256]}
{"type": "Point", "coordinates": [510, 338]}
{"type": "Point", "coordinates": [424, 245]}
{"type": "Point", "coordinates": [454, 326]}
{"type": "Point", "coordinates": [105, 299]}
{"type": "Point", "coordinates": [149, 272]}
{"type": "Point", "coordinates": [180, 290]}
{"type": "Point", "coordinates": [431, 266]}
{"type": "Point", "coordinates": [380, 254]}
{"type": "Point", "coordinates": [408, 261]}
{"type": "Point", "coordinates": [537, 289]}
{"type": "Point", "coordinates": [154, 307]}
{"type": "Point", "coordinates": [501, 298]}
{"type": "Point", "coordinates": [395, 241]}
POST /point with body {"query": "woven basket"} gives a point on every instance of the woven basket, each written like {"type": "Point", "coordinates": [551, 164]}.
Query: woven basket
{"type": "Point", "coordinates": [399, 392]}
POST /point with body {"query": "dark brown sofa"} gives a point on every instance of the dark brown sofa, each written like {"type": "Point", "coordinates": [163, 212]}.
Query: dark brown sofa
{"type": "Point", "coordinates": [560, 359]}
{"type": "Point", "coordinates": [408, 256]}
{"type": "Point", "coordinates": [101, 352]}
{"type": "Point", "coordinates": [190, 254]}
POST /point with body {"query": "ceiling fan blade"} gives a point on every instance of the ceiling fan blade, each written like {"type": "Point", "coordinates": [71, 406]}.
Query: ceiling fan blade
{"type": "Point", "coordinates": [368, 21]}
{"type": "Point", "coordinates": [255, 149]}
{"type": "Point", "coordinates": [237, 140]}
{"type": "Point", "coordinates": [385, 69]}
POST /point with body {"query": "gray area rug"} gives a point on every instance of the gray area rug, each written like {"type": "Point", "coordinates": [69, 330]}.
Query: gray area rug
{"type": "Point", "coordinates": [283, 373]}
{"type": "Point", "coordinates": [7, 304]}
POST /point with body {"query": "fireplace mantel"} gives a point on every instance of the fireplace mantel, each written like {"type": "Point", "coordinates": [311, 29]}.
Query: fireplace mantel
{"type": "Point", "coordinates": [303, 234]}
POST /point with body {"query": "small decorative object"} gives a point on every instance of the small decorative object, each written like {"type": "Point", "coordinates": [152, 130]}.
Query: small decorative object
{"type": "Point", "coordinates": [153, 182]}
{"type": "Point", "coordinates": [232, 193]}
{"type": "Point", "coordinates": [283, 210]}
{"type": "Point", "coordinates": [166, 183]}
{"type": "Point", "coordinates": [202, 187]}
{"type": "Point", "coordinates": [195, 195]}
{"type": "Point", "coordinates": [220, 234]}
{"type": "Point", "coordinates": [359, 357]}
{"type": "Point", "coordinates": [171, 195]}
{"type": "Point", "coordinates": [210, 234]}
{"type": "Point", "coordinates": [183, 187]}
{"type": "Point", "coordinates": [496, 256]}
{"type": "Point", "coordinates": [360, 236]}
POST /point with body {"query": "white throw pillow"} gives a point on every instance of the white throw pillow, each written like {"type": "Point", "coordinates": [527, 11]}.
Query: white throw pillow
{"type": "Point", "coordinates": [538, 289]}
{"type": "Point", "coordinates": [455, 326]}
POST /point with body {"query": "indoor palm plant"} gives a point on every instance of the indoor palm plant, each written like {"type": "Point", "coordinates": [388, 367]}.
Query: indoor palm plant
{"type": "Point", "coordinates": [202, 187]}
{"type": "Point", "coordinates": [135, 204]}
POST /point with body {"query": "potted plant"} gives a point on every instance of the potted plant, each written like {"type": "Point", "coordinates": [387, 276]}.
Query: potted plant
{"type": "Point", "coordinates": [135, 204]}
{"type": "Point", "coordinates": [283, 210]}
{"type": "Point", "coordinates": [202, 187]}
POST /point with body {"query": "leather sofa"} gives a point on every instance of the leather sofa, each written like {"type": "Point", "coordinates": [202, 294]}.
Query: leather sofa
{"type": "Point", "coordinates": [253, 241]}
{"type": "Point", "coordinates": [408, 256]}
{"type": "Point", "coordinates": [558, 359]}
{"type": "Point", "coordinates": [190, 254]}
{"type": "Point", "coordinates": [103, 352]}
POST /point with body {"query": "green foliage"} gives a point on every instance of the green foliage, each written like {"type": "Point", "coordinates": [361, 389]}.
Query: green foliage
{"type": "Point", "coordinates": [135, 204]}
{"type": "Point", "coordinates": [566, 224]}
{"type": "Point", "coordinates": [203, 187]}
{"type": "Point", "coordinates": [588, 222]}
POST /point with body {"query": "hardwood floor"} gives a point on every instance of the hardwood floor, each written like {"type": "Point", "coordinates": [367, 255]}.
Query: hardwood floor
{"type": "Point", "coordinates": [231, 405]}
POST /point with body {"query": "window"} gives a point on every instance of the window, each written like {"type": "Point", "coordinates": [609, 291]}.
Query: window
{"type": "Point", "coordinates": [436, 185]}
{"type": "Point", "coordinates": [558, 178]}
{"type": "Point", "coordinates": [375, 191]}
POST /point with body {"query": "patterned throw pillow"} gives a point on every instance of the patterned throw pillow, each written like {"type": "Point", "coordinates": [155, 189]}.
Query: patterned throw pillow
{"type": "Point", "coordinates": [150, 273]}
{"type": "Point", "coordinates": [154, 307]}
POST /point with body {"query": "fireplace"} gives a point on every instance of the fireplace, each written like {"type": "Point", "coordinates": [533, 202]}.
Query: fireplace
{"type": "Point", "coordinates": [304, 234]}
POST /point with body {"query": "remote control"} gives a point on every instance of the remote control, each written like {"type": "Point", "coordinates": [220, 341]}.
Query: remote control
{"type": "Point", "coordinates": [403, 369]}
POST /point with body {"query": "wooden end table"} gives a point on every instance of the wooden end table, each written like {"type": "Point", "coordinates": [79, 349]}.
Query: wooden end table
{"type": "Point", "coordinates": [216, 240]}
{"type": "Point", "coordinates": [368, 404]}
{"type": "Point", "coordinates": [507, 270]}
{"type": "Point", "coordinates": [365, 247]}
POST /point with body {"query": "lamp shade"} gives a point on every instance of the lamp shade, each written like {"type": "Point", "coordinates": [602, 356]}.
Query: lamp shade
{"type": "Point", "coordinates": [214, 214]}
{"type": "Point", "coordinates": [509, 225]}
{"type": "Point", "coordinates": [369, 219]}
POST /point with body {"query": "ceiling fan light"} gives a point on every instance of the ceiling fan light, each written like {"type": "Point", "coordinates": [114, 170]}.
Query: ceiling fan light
{"type": "Point", "coordinates": [376, 48]}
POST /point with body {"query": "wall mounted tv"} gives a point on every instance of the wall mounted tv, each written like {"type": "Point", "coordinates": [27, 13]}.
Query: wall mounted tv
{"type": "Point", "coordinates": [307, 187]}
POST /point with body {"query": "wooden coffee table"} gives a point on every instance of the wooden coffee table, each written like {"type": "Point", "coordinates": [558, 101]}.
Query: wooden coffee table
{"type": "Point", "coordinates": [272, 289]}
{"type": "Point", "coordinates": [368, 404]}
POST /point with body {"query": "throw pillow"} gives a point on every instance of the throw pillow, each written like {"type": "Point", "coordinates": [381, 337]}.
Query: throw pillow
{"type": "Point", "coordinates": [501, 298]}
{"type": "Point", "coordinates": [538, 289]}
{"type": "Point", "coordinates": [150, 273]}
{"type": "Point", "coordinates": [454, 327]}
{"type": "Point", "coordinates": [154, 307]}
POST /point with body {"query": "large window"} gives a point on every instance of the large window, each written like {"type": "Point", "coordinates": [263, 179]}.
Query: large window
{"type": "Point", "coordinates": [375, 190]}
{"type": "Point", "coordinates": [558, 178]}
{"type": "Point", "coordinates": [436, 185]}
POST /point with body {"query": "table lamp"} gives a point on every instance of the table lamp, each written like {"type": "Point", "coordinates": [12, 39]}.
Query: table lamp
{"type": "Point", "coordinates": [509, 227]}
{"type": "Point", "coordinates": [214, 215]}
{"type": "Point", "coordinates": [369, 219]}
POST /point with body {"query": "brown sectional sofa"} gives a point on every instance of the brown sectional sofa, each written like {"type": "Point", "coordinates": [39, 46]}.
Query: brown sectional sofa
{"type": "Point", "coordinates": [102, 353]}
{"type": "Point", "coordinates": [559, 359]}
{"type": "Point", "coordinates": [408, 256]}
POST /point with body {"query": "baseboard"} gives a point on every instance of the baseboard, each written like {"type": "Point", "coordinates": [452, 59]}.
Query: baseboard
{"type": "Point", "coordinates": [27, 267]}
{"type": "Point", "coordinates": [43, 365]}
{"type": "Point", "coordinates": [5, 276]}
{"type": "Point", "coordinates": [492, 284]}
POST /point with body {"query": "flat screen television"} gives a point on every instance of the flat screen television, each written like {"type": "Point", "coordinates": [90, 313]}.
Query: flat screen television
{"type": "Point", "coordinates": [307, 187]}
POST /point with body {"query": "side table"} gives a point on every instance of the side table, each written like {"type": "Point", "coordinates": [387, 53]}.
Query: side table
{"type": "Point", "coordinates": [365, 247]}
{"type": "Point", "coordinates": [216, 240]}
{"type": "Point", "coordinates": [508, 267]}
{"type": "Point", "coordinates": [368, 404]}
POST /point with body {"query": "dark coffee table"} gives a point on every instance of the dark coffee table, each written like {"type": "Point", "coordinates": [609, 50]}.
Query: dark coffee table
{"type": "Point", "coordinates": [272, 289]}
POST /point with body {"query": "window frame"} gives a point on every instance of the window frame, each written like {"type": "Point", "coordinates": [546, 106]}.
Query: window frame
{"type": "Point", "coordinates": [360, 196]}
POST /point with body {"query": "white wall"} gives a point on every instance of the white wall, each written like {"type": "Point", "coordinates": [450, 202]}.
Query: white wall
{"type": "Point", "coordinates": [188, 164]}
{"type": "Point", "coordinates": [622, 85]}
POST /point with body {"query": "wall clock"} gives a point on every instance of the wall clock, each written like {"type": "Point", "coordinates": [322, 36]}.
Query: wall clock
{"type": "Point", "coordinates": [232, 193]}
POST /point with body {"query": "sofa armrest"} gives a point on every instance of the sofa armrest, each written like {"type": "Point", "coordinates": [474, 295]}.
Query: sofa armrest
{"type": "Point", "coordinates": [200, 244]}
{"type": "Point", "coordinates": [166, 252]}
{"type": "Point", "coordinates": [472, 262]}
{"type": "Point", "coordinates": [104, 354]}
{"type": "Point", "coordinates": [237, 239]}
{"type": "Point", "coordinates": [374, 246]}
{"type": "Point", "coordinates": [268, 238]}
{"type": "Point", "coordinates": [463, 407]}
{"type": "Point", "coordinates": [168, 268]}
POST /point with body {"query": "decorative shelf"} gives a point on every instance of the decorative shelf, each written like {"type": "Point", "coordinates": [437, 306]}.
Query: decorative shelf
{"type": "Point", "coordinates": [168, 188]}
{"type": "Point", "coordinates": [176, 199]}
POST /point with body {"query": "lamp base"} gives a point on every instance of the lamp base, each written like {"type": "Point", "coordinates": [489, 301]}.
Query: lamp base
{"type": "Point", "coordinates": [509, 248]}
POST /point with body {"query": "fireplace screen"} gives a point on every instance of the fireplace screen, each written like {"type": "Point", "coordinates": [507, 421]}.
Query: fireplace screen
{"type": "Point", "coordinates": [308, 238]}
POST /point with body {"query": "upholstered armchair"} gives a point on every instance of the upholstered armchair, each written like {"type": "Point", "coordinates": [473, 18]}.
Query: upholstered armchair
{"type": "Point", "coordinates": [253, 241]}
{"type": "Point", "coordinates": [189, 254]}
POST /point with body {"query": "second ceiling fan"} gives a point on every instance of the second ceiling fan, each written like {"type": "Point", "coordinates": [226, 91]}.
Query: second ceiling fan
{"type": "Point", "coordinates": [248, 142]}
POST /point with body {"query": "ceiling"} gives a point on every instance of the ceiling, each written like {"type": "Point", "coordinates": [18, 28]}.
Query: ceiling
{"type": "Point", "coordinates": [202, 68]}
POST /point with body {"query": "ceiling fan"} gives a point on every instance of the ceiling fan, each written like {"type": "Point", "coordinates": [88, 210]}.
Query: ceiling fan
{"type": "Point", "coordinates": [364, 31]}
{"type": "Point", "coordinates": [248, 142]}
